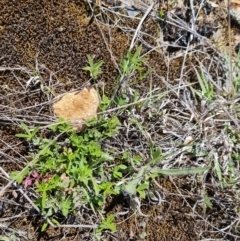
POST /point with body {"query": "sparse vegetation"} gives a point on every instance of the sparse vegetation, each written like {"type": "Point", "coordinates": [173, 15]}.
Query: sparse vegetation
{"type": "Point", "coordinates": [162, 158]}
{"type": "Point", "coordinates": [70, 171]}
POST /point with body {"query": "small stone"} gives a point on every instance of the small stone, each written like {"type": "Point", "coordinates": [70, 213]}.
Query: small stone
{"type": "Point", "coordinates": [188, 141]}
{"type": "Point", "coordinates": [78, 107]}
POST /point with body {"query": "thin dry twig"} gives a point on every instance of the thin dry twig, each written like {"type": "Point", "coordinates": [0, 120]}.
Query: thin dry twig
{"type": "Point", "coordinates": [139, 25]}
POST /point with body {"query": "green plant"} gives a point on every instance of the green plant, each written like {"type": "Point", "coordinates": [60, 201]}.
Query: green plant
{"type": "Point", "coordinates": [94, 69]}
{"type": "Point", "coordinates": [206, 87]}
{"type": "Point", "coordinates": [131, 66]}
{"type": "Point", "coordinates": [107, 224]}
{"type": "Point", "coordinates": [142, 176]}
{"type": "Point", "coordinates": [236, 77]}
{"type": "Point", "coordinates": [11, 237]}
{"type": "Point", "coordinates": [206, 202]}
{"type": "Point", "coordinates": [161, 13]}
{"type": "Point", "coordinates": [133, 62]}
{"type": "Point", "coordinates": [29, 134]}
{"type": "Point", "coordinates": [69, 172]}
{"type": "Point", "coordinates": [227, 168]}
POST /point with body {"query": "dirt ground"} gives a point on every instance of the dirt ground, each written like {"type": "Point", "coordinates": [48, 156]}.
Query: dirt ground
{"type": "Point", "coordinates": [53, 38]}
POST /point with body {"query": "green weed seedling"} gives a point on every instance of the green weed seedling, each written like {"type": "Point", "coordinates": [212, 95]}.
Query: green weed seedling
{"type": "Point", "coordinates": [206, 87]}
{"type": "Point", "coordinates": [29, 134]}
{"type": "Point", "coordinates": [206, 202]}
{"type": "Point", "coordinates": [131, 65]}
{"type": "Point", "coordinates": [133, 62]}
{"type": "Point", "coordinates": [94, 69]}
{"type": "Point", "coordinates": [161, 14]}
{"type": "Point", "coordinates": [107, 224]}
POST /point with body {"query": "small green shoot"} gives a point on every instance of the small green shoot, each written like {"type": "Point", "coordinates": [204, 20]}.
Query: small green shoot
{"type": "Point", "coordinates": [107, 224]}
{"type": "Point", "coordinates": [133, 62]}
{"type": "Point", "coordinates": [29, 134]}
{"type": "Point", "coordinates": [161, 14]}
{"type": "Point", "coordinates": [94, 69]}
{"type": "Point", "coordinates": [207, 202]}
{"type": "Point", "coordinates": [206, 87]}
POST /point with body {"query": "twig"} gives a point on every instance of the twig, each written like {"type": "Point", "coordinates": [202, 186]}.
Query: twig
{"type": "Point", "coordinates": [19, 232]}
{"type": "Point", "coordinates": [12, 217]}
{"type": "Point", "coordinates": [140, 24]}
{"type": "Point", "coordinates": [193, 20]}
{"type": "Point", "coordinates": [136, 200]}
